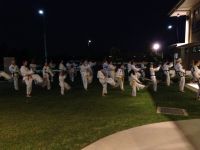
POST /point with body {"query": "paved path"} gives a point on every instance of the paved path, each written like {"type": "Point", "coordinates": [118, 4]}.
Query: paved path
{"type": "Point", "coordinates": [180, 135]}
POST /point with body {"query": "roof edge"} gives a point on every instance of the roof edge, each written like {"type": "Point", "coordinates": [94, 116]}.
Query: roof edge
{"type": "Point", "coordinates": [176, 6]}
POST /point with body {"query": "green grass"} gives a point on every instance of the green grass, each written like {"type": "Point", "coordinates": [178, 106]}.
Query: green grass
{"type": "Point", "coordinates": [50, 121]}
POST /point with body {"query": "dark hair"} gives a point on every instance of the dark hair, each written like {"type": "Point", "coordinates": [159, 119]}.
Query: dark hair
{"type": "Point", "coordinates": [131, 72]}
{"type": "Point", "coordinates": [195, 62]}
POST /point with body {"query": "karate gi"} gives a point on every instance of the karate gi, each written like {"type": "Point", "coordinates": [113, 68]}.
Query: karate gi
{"type": "Point", "coordinates": [136, 70]}
{"type": "Point", "coordinates": [63, 85]}
{"type": "Point", "coordinates": [14, 70]}
{"type": "Point", "coordinates": [153, 77]}
{"type": "Point", "coordinates": [33, 67]}
{"type": "Point", "coordinates": [85, 75]}
{"type": "Point", "coordinates": [129, 66]}
{"type": "Point", "coordinates": [72, 73]}
{"type": "Point", "coordinates": [196, 78]}
{"type": "Point", "coordinates": [181, 73]}
{"type": "Point", "coordinates": [111, 71]}
{"type": "Point", "coordinates": [104, 81]}
{"type": "Point", "coordinates": [143, 71]}
{"type": "Point", "coordinates": [120, 78]}
{"type": "Point", "coordinates": [166, 70]}
{"type": "Point", "coordinates": [62, 67]}
{"type": "Point", "coordinates": [46, 71]}
{"type": "Point", "coordinates": [105, 68]}
{"type": "Point", "coordinates": [135, 84]}
{"type": "Point", "coordinates": [27, 78]}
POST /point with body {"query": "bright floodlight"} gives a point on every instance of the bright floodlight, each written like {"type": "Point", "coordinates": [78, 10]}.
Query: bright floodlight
{"type": "Point", "coordinates": [170, 27]}
{"type": "Point", "coordinates": [89, 41]}
{"type": "Point", "coordinates": [156, 46]}
{"type": "Point", "coordinates": [41, 12]}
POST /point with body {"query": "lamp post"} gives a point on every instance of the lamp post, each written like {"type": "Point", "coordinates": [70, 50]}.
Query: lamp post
{"type": "Point", "coordinates": [89, 42]}
{"type": "Point", "coordinates": [156, 47]}
{"type": "Point", "coordinates": [42, 13]}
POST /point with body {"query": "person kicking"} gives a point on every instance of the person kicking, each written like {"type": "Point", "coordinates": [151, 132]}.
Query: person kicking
{"type": "Point", "coordinates": [47, 73]}
{"type": "Point", "coordinates": [101, 75]}
{"type": "Point", "coordinates": [63, 85]}
{"type": "Point", "coordinates": [135, 83]}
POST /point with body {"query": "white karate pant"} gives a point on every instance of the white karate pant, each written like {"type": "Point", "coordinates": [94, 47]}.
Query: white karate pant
{"type": "Point", "coordinates": [37, 79]}
{"type": "Point", "coordinates": [85, 80]}
{"type": "Point", "coordinates": [112, 74]}
{"type": "Point", "coordinates": [138, 75]}
{"type": "Point", "coordinates": [5, 75]}
{"type": "Point", "coordinates": [104, 85]}
{"type": "Point", "coordinates": [120, 82]}
{"type": "Point", "coordinates": [136, 86]}
{"type": "Point", "coordinates": [167, 75]}
{"type": "Point", "coordinates": [182, 83]}
{"type": "Point", "coordinates": [154, 81]}
{"type": "Point", "coordinates": [47, 81]}
{"type": "Point", "coordinates": [28, 82]}
{"type": "Point", "coordinates": [15, 80]}
{"type": "Point", "coordinates": [64, 86]}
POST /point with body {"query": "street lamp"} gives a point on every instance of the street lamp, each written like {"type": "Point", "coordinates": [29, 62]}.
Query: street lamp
{"type": "Point", "coordinates": [156, 47]}
{"type": "Point", "coordinates": [169, 27]}
{"type": "Point", "coordinates": [89, 42]}
{"type": "Point", "coordinates": [41, 13]}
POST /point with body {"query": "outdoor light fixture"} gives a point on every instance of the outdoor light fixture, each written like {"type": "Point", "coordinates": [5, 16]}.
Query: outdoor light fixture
{"type": "Point", "coordinates": [170, 27]}
{"type": "Point", "coordinates": [89, 41]}
{"type": "Point", "coordinates": [41, 12]}
{"type": "Point", "coordinates": [156, 46]}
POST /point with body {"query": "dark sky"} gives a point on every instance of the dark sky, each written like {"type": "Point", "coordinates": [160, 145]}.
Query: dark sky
{"type": "Point", "coordinates": [128, 25]}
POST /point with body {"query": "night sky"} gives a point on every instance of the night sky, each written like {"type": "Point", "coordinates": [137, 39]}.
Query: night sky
{"type": "Point", "coordinates": [127, 25]}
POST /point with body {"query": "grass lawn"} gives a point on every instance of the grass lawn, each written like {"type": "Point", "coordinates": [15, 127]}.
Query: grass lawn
{"type": "Point", "coordinates": [71, 122]}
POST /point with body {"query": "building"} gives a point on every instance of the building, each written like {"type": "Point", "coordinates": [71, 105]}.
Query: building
{"type": "Point", "coordinates": [190, 49]}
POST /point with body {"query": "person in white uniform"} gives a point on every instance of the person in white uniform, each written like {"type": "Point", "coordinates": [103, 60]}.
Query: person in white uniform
{"type": "Point", "coordinates": [120, 77]}
{"type": "Point", "coordinates": [153, 76]}
{"type": "Point", "coordinates": [91, 72]}
{"type": "Point", "coordinates": [181, 74]}
{"type": "Point", "coordinates": [105, 67]}
{"type": "Point", "coordinates": [36, 77]}
{"type": "Point", "coordinates": [129, 66]}
{"type": "Point", "coordinates": [166, 69]}
{"type": "Point", "coordinates": [63, 85]}
{"type": "Point", "coordinates": [46, 71]}
{"type": "Point", "coordinates": [71, 71]}
{"type": "Point", "coordinates": [136, 69]}
{"type": "Point", "coordinates": [33, 66]}
{"type": "Point", "coordinates": [104, 81]}
{"type": "Point", "coordinates": [196, 76]}
{"type": "Point", "coordinates": [52, 66]}
{"type": "Point", "coordinates": [143, 67]}
{"type": "Point", "coordinates": [62, 66]}
{"type": "Point", "coordinates": [14, 70]}
{"type": "Point", "coordinates": [85, 74]}
{"type": "Point", "coordinates": [135, 83]}
{"type": "Point", "coordinates": [111, 70]}
{"type": "Point", "coordinates": [27, 78]}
